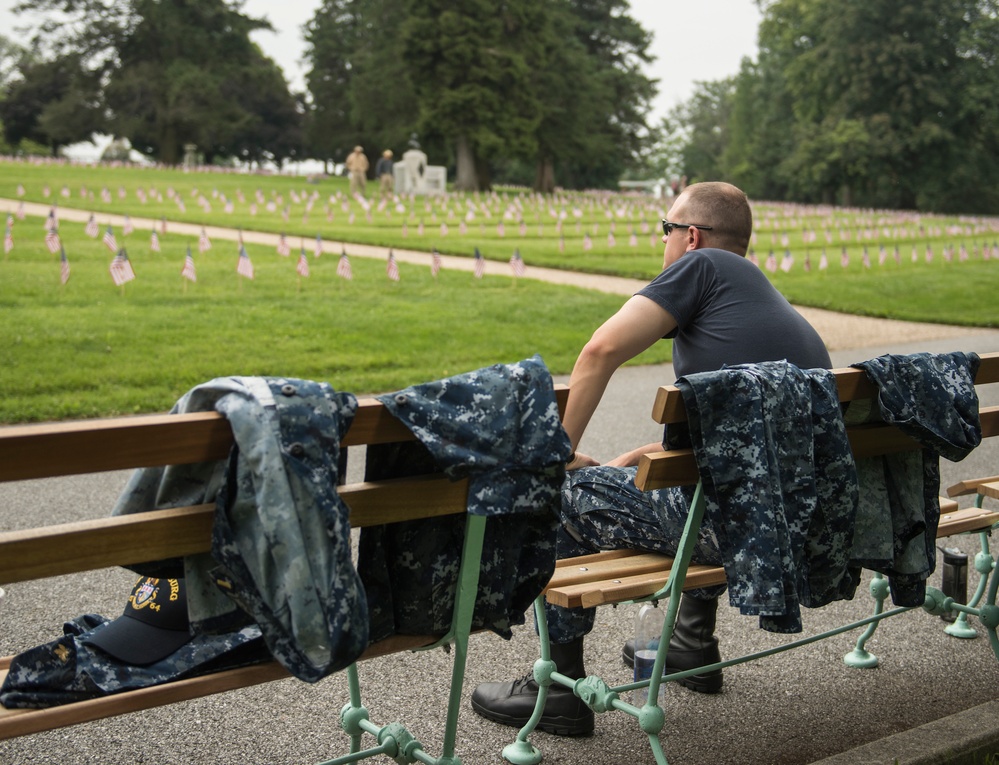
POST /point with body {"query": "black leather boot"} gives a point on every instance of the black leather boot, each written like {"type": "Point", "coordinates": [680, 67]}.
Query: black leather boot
{"type": "Point", "coordinates": [512, 703]}
{"type": "Point", "coordinates": [693, 645]}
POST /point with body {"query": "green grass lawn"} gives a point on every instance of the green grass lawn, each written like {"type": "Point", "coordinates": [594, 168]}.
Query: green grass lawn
{"type": "Point", "coordinates": [89, 348]}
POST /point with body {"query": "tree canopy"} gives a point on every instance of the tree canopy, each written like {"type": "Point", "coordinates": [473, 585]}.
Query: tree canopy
{"type": "Point", "coordinates": [863, 102]}
{"type": "Point", "coordinates": [162, 74]}
{"type": "Point", "coordinates": [517, 90]}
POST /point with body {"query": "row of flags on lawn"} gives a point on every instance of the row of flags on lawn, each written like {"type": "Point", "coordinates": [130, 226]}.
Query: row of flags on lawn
{"type": "Point", "coordinates": [948, 253]}
{"type": "Point", "coordinates": [121, 270]}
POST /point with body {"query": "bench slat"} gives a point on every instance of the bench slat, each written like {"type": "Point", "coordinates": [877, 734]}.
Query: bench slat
{"type": "Point", "coordinates": [851, 383]}
{"type": "Point", "coordinates": [968, 519]}
{"type": "Point", "coordinates": [585, 572]}
{"type": "Point", "coordinates": [679, 468]}
{"type": "Point", "coordinates": [990, 489]}
{"type": "Point", "coordinates": [969, 486]}
{"type": "Point", "coordinates": [94, 446]}
{"type": "Point", "coordinates": [125, 540]}
{"type": "Point", "coordinates": [599, 579]}
{"type": "Point", "coordinates": [20, 722]}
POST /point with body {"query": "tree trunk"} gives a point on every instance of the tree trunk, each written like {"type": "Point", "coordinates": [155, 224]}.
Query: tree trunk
{"type": "Point", "coordinates": [169, 145]}
{"type": "Point", "coordinates": [544, 177]}
{"type": "Point", "coordinates": [466, 178]}
{"type": "Point", "coordinates": [483, 174]}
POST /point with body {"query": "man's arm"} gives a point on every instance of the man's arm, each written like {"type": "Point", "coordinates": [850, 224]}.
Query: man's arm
{"type": "Point", "coordinates": [633, 329]}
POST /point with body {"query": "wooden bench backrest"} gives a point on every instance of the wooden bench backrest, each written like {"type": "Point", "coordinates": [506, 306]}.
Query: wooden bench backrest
{"type": "Point", "coordinates": [678, 468]}
{"type": "Point", "coordinates": [72, 448]}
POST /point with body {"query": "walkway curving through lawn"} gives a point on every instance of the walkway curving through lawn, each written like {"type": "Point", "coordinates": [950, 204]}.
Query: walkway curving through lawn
{"type": "Point", "coordinates": [839, 331]}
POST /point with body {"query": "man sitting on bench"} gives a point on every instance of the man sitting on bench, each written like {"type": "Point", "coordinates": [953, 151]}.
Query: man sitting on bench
{"type": "Point", "coordinates": [719, 309]}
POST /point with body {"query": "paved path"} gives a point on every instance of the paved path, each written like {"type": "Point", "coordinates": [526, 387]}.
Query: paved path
{"type": "Point", "coordinates": [839, 331]}
{"type": "Point", "coordinates": [788, 710]}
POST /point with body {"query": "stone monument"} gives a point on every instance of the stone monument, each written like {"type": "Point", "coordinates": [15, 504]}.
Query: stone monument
{"type": "Point", "coordinates": [412, 174]}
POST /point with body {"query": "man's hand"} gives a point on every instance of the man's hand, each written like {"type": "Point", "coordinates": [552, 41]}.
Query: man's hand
{"type": "Point", "coordinates": [630, 459]}
{"type": "Point", "coordinates": [581, 460]}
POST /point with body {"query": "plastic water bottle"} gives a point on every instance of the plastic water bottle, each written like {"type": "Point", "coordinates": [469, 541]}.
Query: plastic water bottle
{"type": "Point", "coordinates": [648, 631]}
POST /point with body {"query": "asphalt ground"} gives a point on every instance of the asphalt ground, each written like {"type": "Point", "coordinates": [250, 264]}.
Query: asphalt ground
{"type": "Point", "coordinates": [797, 707]}
{"type": "Point", "coordinates": [932, 695]}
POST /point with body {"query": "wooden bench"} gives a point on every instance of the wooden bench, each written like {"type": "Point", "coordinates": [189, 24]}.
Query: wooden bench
{"type": "Point", "coordinates": [623, 576]}
{"type": "Point", "coordinates": [74, 448]}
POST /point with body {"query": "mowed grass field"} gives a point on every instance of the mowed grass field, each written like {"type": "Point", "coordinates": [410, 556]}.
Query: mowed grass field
{"type": "Point", "coordinates": [89, 348]}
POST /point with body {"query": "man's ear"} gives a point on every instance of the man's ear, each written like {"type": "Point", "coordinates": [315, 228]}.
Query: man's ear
{"type": "Point", "coordinates": [695, 239]}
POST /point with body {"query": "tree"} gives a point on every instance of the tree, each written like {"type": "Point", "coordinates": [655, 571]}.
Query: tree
{"type": "Point", "coordinates": [604, 106]}
{"type": "Point", "coordinates": [471, 66]}
{"type": "Point", "coordinates": [362, 91]}
{"type": "Point", "coordinates": [875, 91]}
{"type": "Point", "coordinates": [54, 103]}
{"type": "Point", "coordinates": [177, 72]}
{"type": "Point", "coordinates": [330, 37]}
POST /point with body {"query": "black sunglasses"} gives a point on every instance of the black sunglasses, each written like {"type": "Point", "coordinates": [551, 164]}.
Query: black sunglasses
{"type": "Point", "coordinates": [668, 227]}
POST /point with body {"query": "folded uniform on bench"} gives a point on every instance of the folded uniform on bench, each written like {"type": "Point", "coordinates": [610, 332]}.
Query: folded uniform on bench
{"type": "Point", "coordinates": [149, 644]}
{"type": "Point", "coordinates": [500, 427]}
{"type": "Point", "coordinates": [795, 515]}
{"type": "Point", "coordinates": [932, 399]}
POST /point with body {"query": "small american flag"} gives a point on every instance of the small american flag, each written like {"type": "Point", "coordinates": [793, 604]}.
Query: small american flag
{"type": "Point", "coordinates": [282, 247]}
{"type": "Point", "coordinates": [865, 259]}
{"type": "Point", "coordinates": [8, 238]}
{"type": "Point", "coordinates": [844, 258]}
{"type": "Point", "coordinates": [823, 261]}
{"type": "Point", "coordinates": [63, 266]}
{"type": "Point", "coordinates": [92, 228]}
{"type": "Point", "coordinates": [787, 263]}
{"type": "Point", "coordinates": [127, 227]}
{"type": "Point", "coordinates": [188, 272]}
{"type": "Point", "coordinates": [587, 242]}
{"type": "Point", "coordinates": [435, 263]}
{"type": "Point", "coordinates": [243, 266]}
{"type": "Point", "coordinates": [392, 268]}
{"type": "Point", "coordinates": [163, 225]}
{"type": "Point", "coordinates": [343, 269]}
{"type": "Point", "coordinates": [303, 264]}
{"type": "Point", "coordinates": [318, 251]}
{"type": "Point", "coordinates": [480, 264]}
{"type": "Point", "coordinates": [52, 222]}
{"type": "Point", "coordinates": [109, 241]}
{"type": "Point", "coordinates": [52, 241]}
{"type": "Point", "coordinates": [771, 262]}
{"type": "Point", "coordinates": [517, 264]}
{"type": "Point", "coordinates": [204, 243]}
{"type": "Point", "coordinates": [121, 268]}
{"type": "Point", "coordinates": [154, 242]}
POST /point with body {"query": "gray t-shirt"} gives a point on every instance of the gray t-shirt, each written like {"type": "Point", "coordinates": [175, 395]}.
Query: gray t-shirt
{"type": "Point", "coordinates": [727, 312]}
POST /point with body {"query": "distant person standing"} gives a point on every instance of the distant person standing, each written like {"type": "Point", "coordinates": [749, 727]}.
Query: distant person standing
{"type": "Point", "coordinates": [383, 170]}
{"type": "Point", "coordinates": [357, 166]}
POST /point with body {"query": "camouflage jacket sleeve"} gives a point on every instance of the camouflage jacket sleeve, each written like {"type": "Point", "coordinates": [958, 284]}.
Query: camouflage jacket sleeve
{"type": "Point", "coordinates": [780, 485]}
